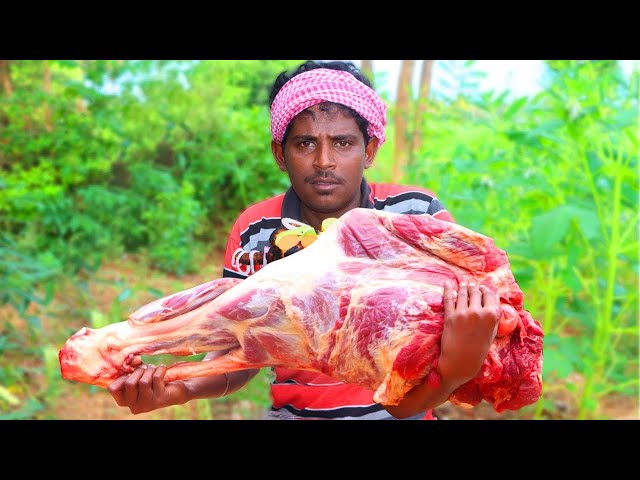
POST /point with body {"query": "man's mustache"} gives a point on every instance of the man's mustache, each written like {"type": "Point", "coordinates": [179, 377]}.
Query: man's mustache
{"type": "Point", "coordinates": [323, 176]}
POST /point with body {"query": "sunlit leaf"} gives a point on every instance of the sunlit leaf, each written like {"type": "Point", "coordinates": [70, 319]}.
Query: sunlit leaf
{"type": "Point", "coordinates": [7, 397]}
{"type": "Point", "coordinates": [515, 107]}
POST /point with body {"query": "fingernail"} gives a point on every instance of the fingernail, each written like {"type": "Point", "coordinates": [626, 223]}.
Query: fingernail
{"type": "Point", "coordinates": [463, 284]}
{"type": "Point", "coordinates": [471, 284]}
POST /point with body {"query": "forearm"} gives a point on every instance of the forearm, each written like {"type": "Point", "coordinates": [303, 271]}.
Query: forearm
{"type": "Point", "coordinates": [217, 386]}
{"type": "Point", "coordinates": [470, 325]}
{"type": "Point", "coordinates": [422, 398]}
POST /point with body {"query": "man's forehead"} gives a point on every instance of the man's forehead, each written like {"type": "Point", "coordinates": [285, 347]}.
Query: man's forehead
{"type": "Point", "coordinates": [317, 117]}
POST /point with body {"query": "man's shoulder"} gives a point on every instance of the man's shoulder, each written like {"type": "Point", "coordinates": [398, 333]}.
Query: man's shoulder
{"type": "Point", "coordinates": [383, 191]}
{"type": "Point", "coordinates": [268, 208]}
{"type": "Point", "coordinates": [407, 199]}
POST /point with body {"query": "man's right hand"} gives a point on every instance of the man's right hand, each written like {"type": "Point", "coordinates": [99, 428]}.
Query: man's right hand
{"type": "Point", "coordinates": [145, 390]}
{"type": "Point", "coordinates": [470, 324]}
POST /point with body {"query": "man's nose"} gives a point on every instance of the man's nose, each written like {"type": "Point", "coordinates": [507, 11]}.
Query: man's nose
{"type": "Point", "coordinates": [324, 157]}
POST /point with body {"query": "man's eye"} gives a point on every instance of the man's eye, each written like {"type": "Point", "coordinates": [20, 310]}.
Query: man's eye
{"type": "Point", "coordinates": [343, 143]}
{"type": "Point", "coordinates": [306, 144]}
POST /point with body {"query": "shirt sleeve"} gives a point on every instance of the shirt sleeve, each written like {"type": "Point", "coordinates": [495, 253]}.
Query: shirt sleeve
{"type": "Point", "coordinates": [231, 269]}
{"type": "Point", "coordinates": [437, 209]}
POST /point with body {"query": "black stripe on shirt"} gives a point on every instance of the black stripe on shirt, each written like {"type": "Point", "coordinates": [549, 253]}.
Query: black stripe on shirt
{"type": "Point", "coordinates": [332, 414]}
{"type": "Point", "coordinates": [401, 197]}
{"type": "Point", "coordinates": [226, 273]}
{"type": "Point", "coordinates": [262, 228]}
{"type": "Point", "coordinates": [410, 203]}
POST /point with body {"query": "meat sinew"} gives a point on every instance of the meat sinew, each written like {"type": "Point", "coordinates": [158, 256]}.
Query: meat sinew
{"type": "Point", "coordinates": [362, 304]}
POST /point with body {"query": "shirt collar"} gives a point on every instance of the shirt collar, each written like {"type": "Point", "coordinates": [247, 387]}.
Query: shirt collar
{"type": "Point", "coordinates": [291, 201]}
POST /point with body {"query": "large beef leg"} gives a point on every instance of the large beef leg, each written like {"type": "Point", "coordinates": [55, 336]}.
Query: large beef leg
{"type": "Point", "coordinates": [363, 304]}
{"type": "Point", "coordinates": [99, 356]}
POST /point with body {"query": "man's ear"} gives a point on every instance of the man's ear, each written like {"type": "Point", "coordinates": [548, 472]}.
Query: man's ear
{"type": "Point", "coordinates": [278, 154]}
{"type": "Point", "coordinates": [370, 152]}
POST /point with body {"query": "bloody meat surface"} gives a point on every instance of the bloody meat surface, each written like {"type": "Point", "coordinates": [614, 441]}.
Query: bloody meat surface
{"type": "Point", "coordinates": [363, 304]}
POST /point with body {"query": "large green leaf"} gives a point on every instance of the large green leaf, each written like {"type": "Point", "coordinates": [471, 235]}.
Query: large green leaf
{"type": "Point", "coordinates": [549, 229]}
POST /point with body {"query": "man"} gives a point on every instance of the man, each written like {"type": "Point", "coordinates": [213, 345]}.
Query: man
{"type": "Point", "coordinates": [327, 124]}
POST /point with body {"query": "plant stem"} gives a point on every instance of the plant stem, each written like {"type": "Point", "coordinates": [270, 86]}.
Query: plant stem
{"type": "Point", "coordinates": [603, 320]}
{"type": "Point", "coordinates": [550, 295]}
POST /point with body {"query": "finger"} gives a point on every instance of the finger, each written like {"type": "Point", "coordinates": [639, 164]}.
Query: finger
{"type": "Point", "coordinates": [490, 303]}
{"type": "Point", "coordinates": [136, 361]}
{"type": "Point", "coordinates": [462, 301]}
{"type": "Point", "coordinates": [116, 389]}
{"type": "Point", "coordinates": [131, 386]}
{"type": "Point", "coordinates": [448, 300]}
{"type": "Point", "coordinates": [145, 386]}
{"type": "Point", "coordinates": [489, 298]}
{"type": "Point", "coordinates": [475, 297]}
{"type": "Point", "coordinates": [158, 381]}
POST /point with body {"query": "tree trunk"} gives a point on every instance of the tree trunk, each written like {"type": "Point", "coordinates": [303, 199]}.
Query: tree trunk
{"type": "Point", "coordinates": [367, 69]}
{"type": "Point", "coordinates": [421, 107]}
{"type": "Point", "coordinates": [5, 77]}
{"type": "Point", "coordinates": [402, 145]}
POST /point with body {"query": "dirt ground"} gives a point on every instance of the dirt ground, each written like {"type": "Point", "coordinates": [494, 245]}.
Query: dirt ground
{"type": "Point", "coordinates": [80, 402]}
{"type": "Point", "coordinates": [99, 405]}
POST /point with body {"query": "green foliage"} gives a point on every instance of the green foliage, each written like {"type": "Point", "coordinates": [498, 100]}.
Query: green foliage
{"type": "Point", "coordinates": [15, 376]}
{"type": "Point", "coordinates": [554, 180]}
{"type": "Point", "coordinates": [21, 275]}
{"type": "Point", "coordinates": [162, 166]}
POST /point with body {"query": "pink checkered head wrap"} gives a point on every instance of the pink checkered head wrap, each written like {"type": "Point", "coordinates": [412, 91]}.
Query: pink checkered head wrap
{"type": "Point", "coordinates": [327, 85]}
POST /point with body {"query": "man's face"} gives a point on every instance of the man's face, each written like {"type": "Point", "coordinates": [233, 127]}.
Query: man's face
{"type": "Point", "coordinates": [325, 156]}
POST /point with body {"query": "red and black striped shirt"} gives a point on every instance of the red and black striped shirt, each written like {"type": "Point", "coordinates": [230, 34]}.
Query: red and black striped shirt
{"type": "Point", "coordinates": [309, 395]}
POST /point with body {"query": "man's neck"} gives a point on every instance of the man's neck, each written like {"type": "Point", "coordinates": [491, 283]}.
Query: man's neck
{"type": "Point", "coordinates": [293, 208]}
{"type": "Point", "coordinates": [315, 219]}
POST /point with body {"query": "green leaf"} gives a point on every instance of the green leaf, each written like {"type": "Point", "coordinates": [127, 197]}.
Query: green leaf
{"type": "Point", "coordinates": [549, 229]}
{"type": "Point", "coordinates": [590, 403]}
{"type": "Point", "coordinates": [623, 119]}
{"type": "Point", "coordinates": [7, 397]}
{"type": "Point", "coordinates": [34, 322]}
{"type": "Point", "coordinates": [155, 292]}
{"type": "Point", "coordinates": [574, 255]}
{"type": "Point", "coordinates": [26, 412]}
{"type": "Point", "coordinates": [555, 362]}
{"type": "Point", "coordinates": [124, 295]}
{"type": "Point", "coordinates": [98, 319]}
{"type": "Point", "coordinates": [515, 108]}
{"type": "Point", "coordinates": [587, 220]}
{"type": "Point", "coordinates": [522, 249]}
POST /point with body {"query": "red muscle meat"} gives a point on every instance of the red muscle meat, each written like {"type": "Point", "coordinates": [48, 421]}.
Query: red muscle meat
{"type": "Point", "coordinates": [362, 304]}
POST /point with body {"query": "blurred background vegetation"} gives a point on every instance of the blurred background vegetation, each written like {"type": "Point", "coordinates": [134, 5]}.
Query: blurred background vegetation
{"type": "Point", "coordinates": [119, 181]}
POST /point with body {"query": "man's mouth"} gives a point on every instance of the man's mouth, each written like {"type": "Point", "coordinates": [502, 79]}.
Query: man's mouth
{"type": "Point", "coordinates": [325, 181]}
{"type": "Point", "coordinates": [325, 185]}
